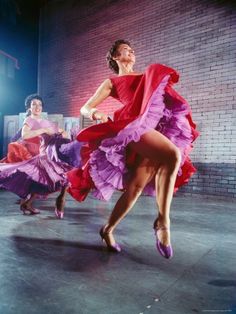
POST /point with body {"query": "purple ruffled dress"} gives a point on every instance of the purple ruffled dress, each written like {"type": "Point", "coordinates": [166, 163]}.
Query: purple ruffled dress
{"type": "Point", "coordinates": [45, 172]}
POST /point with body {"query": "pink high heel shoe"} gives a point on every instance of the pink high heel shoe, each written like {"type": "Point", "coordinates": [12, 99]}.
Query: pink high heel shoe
{"type": "Point", "coordinates": [59, 214]}
{"type": "Point", "coordinates": [106, 238]}
{"type": "Point", "coordinates": [29, 210]}
{"type": "Point", "coordinates": [165, 250]}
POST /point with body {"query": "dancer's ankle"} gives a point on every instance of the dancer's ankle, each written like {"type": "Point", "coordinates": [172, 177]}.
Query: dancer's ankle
{"type": "Point", "coordinates": [163, 221]}
{"type": "Point", "coordinates": [108, 228]}
{"type": "Point", "coordinates": [27, 204]}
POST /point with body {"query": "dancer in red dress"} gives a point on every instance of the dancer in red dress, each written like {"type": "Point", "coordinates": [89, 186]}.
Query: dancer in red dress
{"type": "Point", "coordinates": [144, 148]}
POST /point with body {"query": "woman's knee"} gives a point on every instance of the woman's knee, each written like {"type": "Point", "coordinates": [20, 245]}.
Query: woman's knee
{"type": "Point", "coordinates": [174, 160]}
{"type": "Point", "coordinates": [136, 189]}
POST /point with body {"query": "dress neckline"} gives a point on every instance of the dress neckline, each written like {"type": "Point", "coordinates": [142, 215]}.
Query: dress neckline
{"type": "Point", "coordinates": [130, 75]}
{"type": "Point", "coordinates": [37, 119]}
{"type": "Point", "coordinates": [126, 75]}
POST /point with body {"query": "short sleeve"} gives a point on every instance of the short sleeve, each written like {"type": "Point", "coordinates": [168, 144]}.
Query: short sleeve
{"type": "Point", "coordinates": [28, 121]}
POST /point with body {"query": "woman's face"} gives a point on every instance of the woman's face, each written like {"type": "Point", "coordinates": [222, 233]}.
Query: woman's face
{"type": "Point", "coordinates": [125, 54]}
{"type": "Point", "coordinates": [36, 107]}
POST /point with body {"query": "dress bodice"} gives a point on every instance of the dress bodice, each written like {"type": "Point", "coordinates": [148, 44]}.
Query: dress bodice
{"type": "Point", "coordinates": [36, 124]}
{"type": "Point", "coordinates": [124, 87]}
{"type": "Point", "coordinates": [38, 143]}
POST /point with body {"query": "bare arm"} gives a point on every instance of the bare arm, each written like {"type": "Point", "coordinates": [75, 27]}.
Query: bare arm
{"type": "Point", "coordinates": [89, 108]}
{"type": "Point", "coordinates": [28, 133]}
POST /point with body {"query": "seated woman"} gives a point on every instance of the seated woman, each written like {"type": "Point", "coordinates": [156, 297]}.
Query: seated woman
{"type": "Point", "coordinates": [20, 149]}
{"type": "Point", "coordinates": [44, 172]}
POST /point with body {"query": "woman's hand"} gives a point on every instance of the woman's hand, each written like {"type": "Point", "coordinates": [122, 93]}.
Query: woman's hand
{"type": "Point", "coordinates": [63, 133]}
{"type": "Point", "coordinates": [98, 115]}
{"type": "Point", "coordinates": [48, 131]}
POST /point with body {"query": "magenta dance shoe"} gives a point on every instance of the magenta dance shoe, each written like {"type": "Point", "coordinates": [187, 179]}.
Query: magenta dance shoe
{"type": "Point", "coordinates": [165, 250]}
{"type": "Point", "coordinates": [59, 214]}
{"type": "Point", "coordinates": [105, 238]}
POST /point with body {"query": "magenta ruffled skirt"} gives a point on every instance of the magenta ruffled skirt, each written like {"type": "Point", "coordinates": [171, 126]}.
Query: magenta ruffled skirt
{"type": "Point", "coordinates": [108, 163]}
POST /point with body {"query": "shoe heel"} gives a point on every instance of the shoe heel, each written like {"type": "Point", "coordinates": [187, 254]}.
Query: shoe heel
{"type": "Point", "coordinates": [29, 211]}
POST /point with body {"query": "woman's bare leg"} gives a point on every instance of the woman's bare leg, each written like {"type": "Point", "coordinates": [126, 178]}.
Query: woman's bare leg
{"type": "Point", "coordinates": [61, 199]}
{"type": "Point", "coordinates": [155, 145]}
{"type": "Point", "coordinates": [60, 203]}
{"type": "Point", "coordinates": [156, 148]}
{"type": "Point", "coordinates": [143, 174]}
{"type": "Point", "coordinates": [165, 181]}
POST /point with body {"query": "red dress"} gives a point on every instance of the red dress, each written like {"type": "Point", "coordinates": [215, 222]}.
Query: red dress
{"type": "Point", "coordinates": [22, 150]}
{"type": "Point", "coordinates": [28, 148]}
{"type": "Point", "coordinates": [149, 102]}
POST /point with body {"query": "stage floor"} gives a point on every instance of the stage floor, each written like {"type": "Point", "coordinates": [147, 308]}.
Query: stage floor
{"type": "Point", "coordinates": [61, 266]}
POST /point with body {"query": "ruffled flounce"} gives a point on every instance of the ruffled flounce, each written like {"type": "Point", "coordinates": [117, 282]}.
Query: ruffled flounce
{"type": "Point", "coordinates": [44, 173]}
{"type": "Point", "coordinates": [16, 152]}
{"type": "Point", "coordinates": [38, 175]}
{"type": "Point", "coordinates": [60, 149]}
{"type": "Point", "coordinates": [108, 163]}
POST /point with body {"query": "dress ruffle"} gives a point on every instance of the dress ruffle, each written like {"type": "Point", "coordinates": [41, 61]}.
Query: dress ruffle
{"type": "Point", "coordinates": [16, 152]}
{"type": "Point", "coordinates": [45, 173]}
{"type": "Point", "coordinates": [22, 150]}
{"type": "Point", "coordinates": [149, 103]}
{"type": "Point", "coordinates": [38, 175]}
{"type": "Point", "coordinates": [108, 162]}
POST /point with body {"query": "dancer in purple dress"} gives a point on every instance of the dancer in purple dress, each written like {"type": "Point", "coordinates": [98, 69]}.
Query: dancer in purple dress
{"type": "Point", "coordinates": [146, 146]}
{"type": "Point", "coordinates": [20, 149]}
{"type": "Point", "coordinates": [45, 172]}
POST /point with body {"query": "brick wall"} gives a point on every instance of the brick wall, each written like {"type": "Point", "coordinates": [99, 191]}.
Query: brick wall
{"type": "Point", "coordinates": [194, 37]}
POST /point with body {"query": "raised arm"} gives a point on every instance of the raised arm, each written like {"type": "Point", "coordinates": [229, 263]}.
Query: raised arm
{"type": "Point", "coordinates": [89, 108]}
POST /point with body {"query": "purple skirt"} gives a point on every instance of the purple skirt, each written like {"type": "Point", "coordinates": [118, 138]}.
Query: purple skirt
{"type": "Point", "coordinates": [107, 163]}
{"type": "Point", "coordinates": [44, 173]}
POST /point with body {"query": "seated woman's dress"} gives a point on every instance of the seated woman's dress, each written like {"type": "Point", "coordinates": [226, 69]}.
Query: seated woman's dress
{"type": "Point", "coordinates": [43, 173]}
{"type": "Point", "coordinates": [19, 149]}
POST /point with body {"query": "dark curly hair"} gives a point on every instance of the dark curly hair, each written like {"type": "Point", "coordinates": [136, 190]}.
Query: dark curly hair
{"type": "Point", "coordinates": [114, 53]}
{"type": "Point", "coordinates": [29, 98]}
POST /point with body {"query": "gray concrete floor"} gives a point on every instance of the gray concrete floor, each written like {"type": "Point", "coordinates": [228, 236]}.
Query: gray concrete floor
{"type": "Point", "coordinates": [61, 266]}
